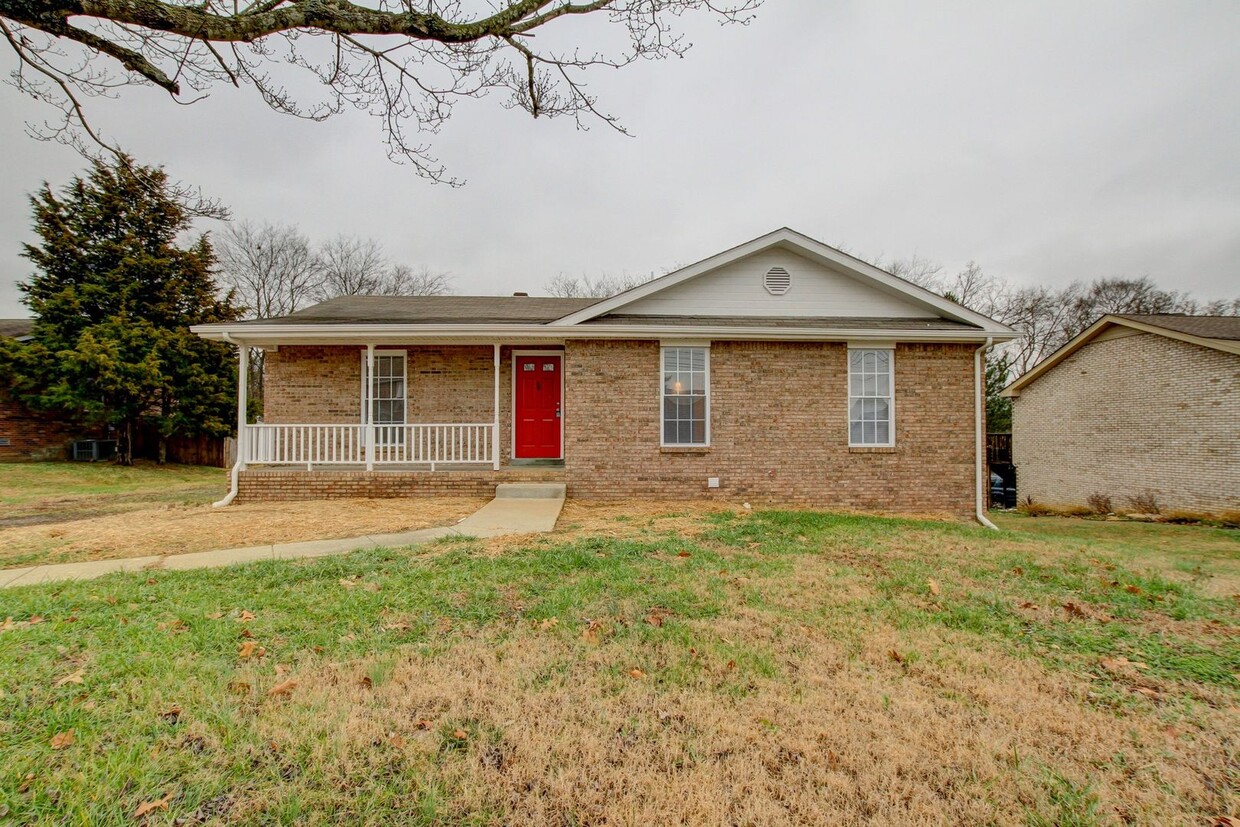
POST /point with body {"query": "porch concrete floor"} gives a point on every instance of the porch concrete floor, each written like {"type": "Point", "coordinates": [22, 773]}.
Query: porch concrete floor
{"type": "Point", "coordinates": [501, 516]}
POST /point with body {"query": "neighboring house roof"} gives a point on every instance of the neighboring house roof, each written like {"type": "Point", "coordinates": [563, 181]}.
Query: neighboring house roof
{"type": "Point", "coordinates": [833, 295]}
{"type": "Point", "coordinates": [1215, 332]}
{"type": "Point", "coordinates": [16, 328]}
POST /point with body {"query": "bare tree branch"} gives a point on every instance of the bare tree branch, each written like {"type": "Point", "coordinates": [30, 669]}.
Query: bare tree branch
{"type": "Point", "coordinates": [405, 62]}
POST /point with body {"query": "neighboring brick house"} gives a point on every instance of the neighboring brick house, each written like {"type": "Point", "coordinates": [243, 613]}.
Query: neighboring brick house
{"type": "Point", "coordinates": [1134, 404]}
{"type": "Point", "coordinates": [779, 371]}
{"type": "Point", "coordinates": [25, 435]}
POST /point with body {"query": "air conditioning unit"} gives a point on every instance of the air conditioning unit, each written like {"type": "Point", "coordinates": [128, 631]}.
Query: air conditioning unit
{"type": "Point", "coordinates": [94, 450]}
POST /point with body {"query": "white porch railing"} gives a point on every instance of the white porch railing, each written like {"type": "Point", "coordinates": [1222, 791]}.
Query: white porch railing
{"type": "Point", "coordinates": [424, 444]}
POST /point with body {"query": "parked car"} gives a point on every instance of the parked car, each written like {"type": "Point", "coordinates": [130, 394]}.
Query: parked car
{"type": "Point", "coordinates": [1002, 495]}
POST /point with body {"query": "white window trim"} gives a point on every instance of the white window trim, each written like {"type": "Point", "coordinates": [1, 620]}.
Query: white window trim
{"type": "Point", "coordinates": [366, 415]}
{"type": "Point", "coordinates": [673, 344]}
{"type": "Point", "coordinates": [512, 406]}
{"type": "Point", "coordinates": [891, 403]}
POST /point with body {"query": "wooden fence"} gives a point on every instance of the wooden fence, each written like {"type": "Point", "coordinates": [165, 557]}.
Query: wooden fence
{"type": "Point", "coordinates": [202, 450]}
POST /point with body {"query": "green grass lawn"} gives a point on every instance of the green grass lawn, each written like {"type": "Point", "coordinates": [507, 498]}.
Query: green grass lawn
{"type": "Point", "coordinates": [72, 490]}
{"type": "Point", "coordinates": [765, 668]}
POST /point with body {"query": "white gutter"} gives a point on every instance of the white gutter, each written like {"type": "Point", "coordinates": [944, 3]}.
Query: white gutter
{"type": "Point", "coordinates": [979, 447]}
{"type": "Point", "coordinates": [486, 334]}
{"type": "Point", "coordinates": [243, 367]}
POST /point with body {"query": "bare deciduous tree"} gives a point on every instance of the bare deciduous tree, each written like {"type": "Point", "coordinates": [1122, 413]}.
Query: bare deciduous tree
{"type": "Point", "coordinates": [351, 266]}
{"type": "Point", "coordinates": [403, 280]}
{"type": "Point", "coordinates": [406, 63]}
{"type": "Point", "coordinates": [587, 287]}
{"type": "Point", "coordinates": [273, 267]}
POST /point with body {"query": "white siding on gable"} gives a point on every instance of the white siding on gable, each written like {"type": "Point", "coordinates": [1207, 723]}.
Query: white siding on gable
{"type": "Point", "coordinates": [737, 289]}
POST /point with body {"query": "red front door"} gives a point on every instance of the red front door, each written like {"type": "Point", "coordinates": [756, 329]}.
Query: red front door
{"type": "Point", "coordinates": [537, 407]}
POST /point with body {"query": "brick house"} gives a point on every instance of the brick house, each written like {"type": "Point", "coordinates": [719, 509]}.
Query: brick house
{"type": "Point", "coordinates": [781, 370]}
{"type": "Point", "coordinates": [25, 435]}
{"type": "Point", "coordinates": [1134, 404]}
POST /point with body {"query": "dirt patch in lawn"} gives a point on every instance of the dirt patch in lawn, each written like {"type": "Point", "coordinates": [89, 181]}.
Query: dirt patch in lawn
{"type": "Point", "coordinates": [179, 529]}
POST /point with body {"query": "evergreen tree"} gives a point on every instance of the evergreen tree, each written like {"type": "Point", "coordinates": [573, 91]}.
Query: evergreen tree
{"type": "Point", "coordinates": [113, 297]}
{"type": "Point", "coordinates": [998, 408]}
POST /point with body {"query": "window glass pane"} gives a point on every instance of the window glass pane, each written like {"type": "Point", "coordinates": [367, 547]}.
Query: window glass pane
{"type": "Point", "coordinates": [869, 384]}
{"type": "Point", "coordinates": [882, 359]}
{"type": "Point", "coordinates": [854, 360]}
{"type": "Point", "coordinates": [699, 408]}
{"type": "Point", "coordinates": [699, 431]}
{"type": "Point", "coordinates": [669, 432]}
{"type": "Point", "coordinates": [882, 432]}
{"type": "Point", "coordinates": [884, 385]}
{"type": "Point", "coordinates": [669, 408]}
{"type": "Point", "coordinates": [854, 410]}
{"type": "Point", "coordinates": [867, 360]}
{"type": "Point", "coordinates": [867, 433]}
{"type": "Point", "coordinates": [854, 433]}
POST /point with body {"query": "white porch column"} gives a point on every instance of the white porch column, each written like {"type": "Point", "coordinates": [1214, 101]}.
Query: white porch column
{"type": "Point", "coordinates": [495, 424]}
{"type": "Point", "coordinates": [243, 402]}
{"type": "Point", "coordinates": [368, 392]}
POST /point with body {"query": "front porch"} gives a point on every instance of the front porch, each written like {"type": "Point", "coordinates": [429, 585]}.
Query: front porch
{"type": "Point", "coordinates": [481, 409]}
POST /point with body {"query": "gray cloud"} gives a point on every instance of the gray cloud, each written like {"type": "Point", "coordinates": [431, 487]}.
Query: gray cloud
{"type": "Point", "coordinates": [1047, 141]}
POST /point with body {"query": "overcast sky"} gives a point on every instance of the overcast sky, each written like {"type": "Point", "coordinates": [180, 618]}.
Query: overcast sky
{"type": "Point", "coordinates": [1048, 141]}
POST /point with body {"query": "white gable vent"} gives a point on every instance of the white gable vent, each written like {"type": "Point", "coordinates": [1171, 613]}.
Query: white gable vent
{"type": "Point", "coordinates": [777, 281]}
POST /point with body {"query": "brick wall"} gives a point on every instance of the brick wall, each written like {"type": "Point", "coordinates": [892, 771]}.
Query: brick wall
{"type": "Point", "coordinates": [779, 427]}
{"type": "Point", "coordinates": [779, 431]}
{"type": "Point", "coordinates": [29, 436]}
{"type": "Point", "coordinates": [1126, 415]}
{"type": "Point", "coordinates": [271, 484]}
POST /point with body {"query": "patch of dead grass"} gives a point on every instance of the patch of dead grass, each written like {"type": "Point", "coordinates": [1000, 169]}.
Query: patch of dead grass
{"type": "Point", "coordinates": [179, 529]}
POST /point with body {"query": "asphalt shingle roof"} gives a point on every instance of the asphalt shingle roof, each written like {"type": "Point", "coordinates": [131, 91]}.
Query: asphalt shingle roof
{"type": "Point", "coordinates": [1207, 327]}
{"type": "Point", "coordinates": [434, 310]}
{"type": "Point", "coordinates": [16, 327]}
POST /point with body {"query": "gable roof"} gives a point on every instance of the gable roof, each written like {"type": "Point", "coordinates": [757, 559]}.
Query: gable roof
{"type": "Point", "coordinates": [1215, 332]}
{"type": "Point", "coordinates": [16, 328]}
{"type": "Point", "coordinates": [811, 249]}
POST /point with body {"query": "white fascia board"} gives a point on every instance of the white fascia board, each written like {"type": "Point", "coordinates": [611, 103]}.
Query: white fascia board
{"type": "Point", "coordinates": [286, 334]}
{"type": "Point", "coordinates": [813, 250]}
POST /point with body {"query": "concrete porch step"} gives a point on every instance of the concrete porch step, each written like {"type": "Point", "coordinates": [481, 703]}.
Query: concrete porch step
{"type": "Point", "coordinates": [530, 490]}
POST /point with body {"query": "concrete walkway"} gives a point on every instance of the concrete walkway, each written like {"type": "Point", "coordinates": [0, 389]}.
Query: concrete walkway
{"type": "Point", "coordinates": [522, 509]}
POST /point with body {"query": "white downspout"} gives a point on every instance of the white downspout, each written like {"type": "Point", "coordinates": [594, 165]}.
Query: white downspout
{"type": "Point", "coordinates": [979, 448]}
{"type": "Point", "coordinates": [243, 379]}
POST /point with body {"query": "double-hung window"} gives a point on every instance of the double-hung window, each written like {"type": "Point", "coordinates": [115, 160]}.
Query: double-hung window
{"type": "Point", "coordinates": [686, 396]}
{"type": "Point", "coordinates": [388, 391]}
{"type": "Point", "coordinates": [871, 409]}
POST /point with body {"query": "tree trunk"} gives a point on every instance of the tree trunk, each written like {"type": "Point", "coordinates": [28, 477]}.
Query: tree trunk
{"type": "Point", "coordinates": [162, 455]}
{"type": "Point", "coordinates": [124, 444]}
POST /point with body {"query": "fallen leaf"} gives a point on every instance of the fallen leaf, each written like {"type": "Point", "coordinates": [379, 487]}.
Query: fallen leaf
{"type": "Point", "coordinates": [63, 739]}
{"type": "Point", "coordinates": [151, 806]}
{"type": "Point", "coordinates": [934, 587]}
{"type": "Point", "coordinates": [460, 735]}
{"type": "Point", "coordinates": [246, 633]}
{"type": "Point", "coordinates": [75, 677]}
{"type": "Point", "coordinates": [654, 620]}
{"type": "Point", "coordinates": [590, 634]}
{"type": "Point", "coordinates": [215, 616]}
{"type": "Point", "coordinates": [731, 664]}
{"type": "Point", "coordinates": [636, 673]}
{"type": "Point", "coordinates": [396, 740]}
{"type": "Point", "coordinates": [110, 600]}
{"type": "Point", "coordinates": [246, 615]}
{"type": "Point", "coordinates": [171, 714]}
{"type": "Point", "coordinates": [1028, 605]}
{"type": "Point", "coordinates": [239, 688]}
{"type": "Point", "coordinates": [35, 620]}
{"type": "Point", "coordinates": [250, 649]}
{"type": "Point", "coordinates": [1074, 610]}
{"type": "Point", "coordinates": [283, 688]}
{"type": "Point", "coordinates": [549, 623]}
{"type": "Point", "coordinates": [683, 554]}
{"type": "Point", "coordinates": [150, 581]}
{"type": "Point", "coordinates": [1018, 571]}
{"type": "Point", "coordinates": [423, 724]}
{"type": "Point", "coordinates": [366, 682]}
{"type": "Point", "coordinates": [896, 656]}
{"type": "Point", "coordinates": [1131, 589]}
